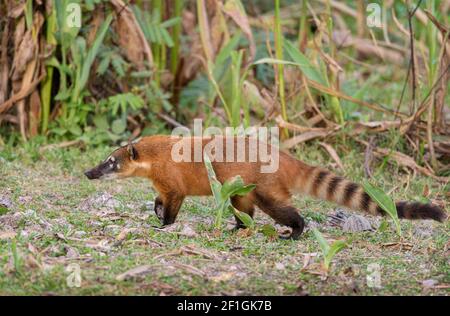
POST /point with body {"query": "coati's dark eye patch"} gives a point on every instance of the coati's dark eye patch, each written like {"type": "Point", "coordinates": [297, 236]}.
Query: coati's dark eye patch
{"type": "Point", "coordinates": [111, 164]}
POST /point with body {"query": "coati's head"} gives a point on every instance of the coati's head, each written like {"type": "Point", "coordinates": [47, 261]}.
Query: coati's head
{"type": "Point", "coordinates": [122, 163]}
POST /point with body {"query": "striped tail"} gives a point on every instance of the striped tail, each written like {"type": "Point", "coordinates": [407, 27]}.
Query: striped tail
{"type": "Point", "coordinates": [325, 185]}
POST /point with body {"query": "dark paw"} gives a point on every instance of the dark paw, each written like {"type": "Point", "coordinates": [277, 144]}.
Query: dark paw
{"type": "Point", "coordinates": [167, 222]}
{"type": "Point", "coordinates": [237, 228]}
{"type": "Point", "coordinates": [159, 209]}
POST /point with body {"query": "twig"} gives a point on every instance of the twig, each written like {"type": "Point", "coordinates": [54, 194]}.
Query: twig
{"type": "Point", "coordinates": [23, 93]}
{"type": "Point", "coordinates": [61, 145]}
{"type": "Point", "coordinates": [368, 158]}
{"type": "Point", "coordinates": [170, 120]}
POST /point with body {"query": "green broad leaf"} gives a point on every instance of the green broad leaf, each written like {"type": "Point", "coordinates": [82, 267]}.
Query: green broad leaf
{"type": "Point", "coordinates": [117, 64]}
{"type": "Point", "coordinates": [385, 202]}
{"type": "Point", "coordinates": [112, 136]}
{"type": "Point", "coordinates": [167, 38]}
{"type": "Point", "coordinates": [244, 190]}
{"type": "Point", "coordinates": [93, 51]}
{"type": "Point", "coordinates": [101, 122]}
{"type": "Point", "coordinates": [336, 247]}
{"type": "Point", "coordinates": [220, 210]}
{"type": "Point", "coordinates": [63, 95]}
{"type": "Point", "coordinates": [118, 126]}
{"type": "Point", "coordinates": [235, 186]}
{"type": "Point", "coordinates": [59, 131]}
{"type": "Point", "coordinates": [244, 217]}
{"type": "Point", "coordinates": [141, 74]}
{"type": "Point", "coordinates": [324, 246]}
{"type": "Point", "coordinates": [53, 62]}
{"type": "Point", "coordinates": [216, 186]}
{"type": "Point", "coordinates": [231, 185]}
{"type": "Point", "coordinates": [29, 14]}
{"type": "Point", "coordinates": [328, 251]}
{"type": "Point", "coordinates": [170, 22]}
{"type": "Point", "coordinates": [383, 226]}
{"type": "Point", "coordinates": [269, 231]}
{"type": "Point", "coordinates": [308, 69]}
{"type": "Point", "coordinates": [225, 52]}
{"type": "Point", "coordinates": [104, 64]}
{"type": "Point", "coordinates": [76, 130]}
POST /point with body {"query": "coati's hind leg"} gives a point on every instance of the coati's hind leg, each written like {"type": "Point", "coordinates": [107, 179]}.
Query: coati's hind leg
{"type": "Point", "coordinates": [243, 204]}
{"type": "Point", "coordinates": [167, 207]}
{"type": "Point", "coordinates": [282, 213]}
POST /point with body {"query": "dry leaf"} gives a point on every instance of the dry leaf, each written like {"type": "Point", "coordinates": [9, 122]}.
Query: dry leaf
{"type": "Point", "coordinates": [7, 235]}
{"type": "Point", "coordinates": [234, 9]}
{"type": "Point", "coordinates": [333, 154]}
{"type": "Point", "coordinates": [222, 277]}
{"type": "Point", "coordinates": [135, 272]}
{"type": "Point", "coordinates": [303, 138]}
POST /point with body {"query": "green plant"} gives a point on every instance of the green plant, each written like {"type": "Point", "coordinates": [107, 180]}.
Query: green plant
{"type": "Point", "coordinates": [223, 192]}
{"type": "Point", "coordinates": [311, 72]}
{"type": "Point", "coordinates": [328, 251]}
{"type": "Point", "coordinates": [46, 89]}
{"type": "Point", "coordinates": [176, 36]}
{"type": "Point", "coordinates": [111, 57]}
{"type": "Point", "coordinates": [17, 261]}
{"type": "Point", "coordinates": [111, 118]}
{"type": "Point", "coordinates": [156, 32]}
{"type": "Point", "coordinates": [226, 72]}
{"type": "Point", "coordinates": [74, 110]}
{"type": "Point", "coordinates": [385, 202]}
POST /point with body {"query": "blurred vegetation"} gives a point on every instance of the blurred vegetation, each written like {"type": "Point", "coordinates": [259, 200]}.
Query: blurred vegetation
{"type": "Point", "coordinates": [316, 68]}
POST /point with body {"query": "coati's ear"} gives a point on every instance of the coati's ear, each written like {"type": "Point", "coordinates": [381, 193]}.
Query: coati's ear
{"type": "Point", "coordinates": [132, 152]}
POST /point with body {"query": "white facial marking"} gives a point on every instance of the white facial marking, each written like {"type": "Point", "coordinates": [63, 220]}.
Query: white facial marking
{"type": "Point", "coordinates": [142, 165]}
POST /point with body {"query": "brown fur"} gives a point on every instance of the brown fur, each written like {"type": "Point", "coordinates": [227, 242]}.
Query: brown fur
{"type": "Point", "coordinates": [151, 158]}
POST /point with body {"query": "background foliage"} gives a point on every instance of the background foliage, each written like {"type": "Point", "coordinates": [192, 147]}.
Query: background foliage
{"type": "Point", "coordinates": [315, 68]}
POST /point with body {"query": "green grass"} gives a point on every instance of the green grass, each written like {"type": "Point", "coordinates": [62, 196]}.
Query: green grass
{"type": "Point", "coordinates": [55, 228]}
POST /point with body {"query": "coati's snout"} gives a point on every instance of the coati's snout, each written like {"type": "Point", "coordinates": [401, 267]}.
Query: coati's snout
{"type": "Point", "coordinates": [118, 165]}
{"type": "Point", "coordinates": [93, 174]}
{"type": "Point", "coordinates": [106, 169]}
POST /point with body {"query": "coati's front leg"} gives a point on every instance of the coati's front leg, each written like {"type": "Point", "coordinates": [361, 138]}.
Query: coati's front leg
{"type": "Point", "coordinates": [283, 214]}
{"type": "Point", "coordinates": [159, 208]}
{"type": "Point", "coordinates": [167, 207]}
{"type": "Point", "coordinates": [243, 204]}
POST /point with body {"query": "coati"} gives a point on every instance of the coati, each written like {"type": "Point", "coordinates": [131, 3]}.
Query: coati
{"type": "Point", "coordinates": [151, 158]}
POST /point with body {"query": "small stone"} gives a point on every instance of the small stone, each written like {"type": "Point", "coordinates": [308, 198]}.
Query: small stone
{"type": "Point", "coordinates": [279, 266]}
{"type": "Point", "coordinates": [5, 202]}
{"type": "Point", "coordinates": [356, 223]}
{"type": "Point", "coordinates": [429, 283]}
{"type": "Point", "coordinates": [148, 206]}
{"type": "Point", "coordinates": [188, 231]}
{"type": "Point", "coordinates": [101, 201]}
{"type": "Point", "coordinates": [79, 234]}
{"type": "Point", "coordinates": [72, 253]}
{"type": "Point", "coordinates": [113, 229]}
